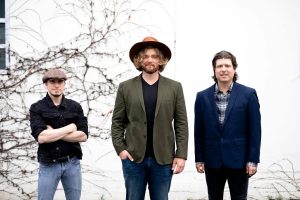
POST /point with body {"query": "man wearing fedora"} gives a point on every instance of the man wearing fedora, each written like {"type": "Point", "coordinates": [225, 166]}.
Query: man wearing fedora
{"type": "Point", "coordinates": [149, 124]}
{"type": "Point", "coordinates": [58, 125]}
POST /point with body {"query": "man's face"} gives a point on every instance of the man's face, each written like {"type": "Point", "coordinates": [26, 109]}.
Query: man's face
{"type": "Point", "coordinates": [55, 87]}
{"type": "Point", "coordinates": [224, 71]}
{"type": "Point", "coordinates": [150, 61]}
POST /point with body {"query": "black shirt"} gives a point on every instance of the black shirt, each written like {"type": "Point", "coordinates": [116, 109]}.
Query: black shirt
{"type": "Point", "coordinates": [43, 113]}
{"type": "Point", "coordinates": [150, 98]}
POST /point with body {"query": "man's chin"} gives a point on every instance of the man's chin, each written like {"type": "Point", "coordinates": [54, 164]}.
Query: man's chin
{"type": "Point", "coordinates": [56, 95]}
{"type": "Point", "coordinates": [150, 71]}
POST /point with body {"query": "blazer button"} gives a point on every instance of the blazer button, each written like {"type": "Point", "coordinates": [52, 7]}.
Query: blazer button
{"type": "Point", "coordinates": [145, 122]}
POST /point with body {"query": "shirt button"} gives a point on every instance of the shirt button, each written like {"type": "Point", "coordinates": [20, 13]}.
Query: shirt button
{"type": "Point", "coordinates": [57, 148]}
{"type": "Point", "coordinates": [54, 160]}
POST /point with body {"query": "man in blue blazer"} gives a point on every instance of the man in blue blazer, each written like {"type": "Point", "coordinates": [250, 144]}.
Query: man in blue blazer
{"type": "Point", "coordinates": [227, 131]}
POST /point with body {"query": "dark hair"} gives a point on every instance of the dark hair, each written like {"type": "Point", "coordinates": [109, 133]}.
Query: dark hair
{"type": "Point", "coordinates": [226, 55]}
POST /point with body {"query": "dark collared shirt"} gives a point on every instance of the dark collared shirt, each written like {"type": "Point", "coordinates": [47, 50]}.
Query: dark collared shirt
{"type": "Point", "coordinates": [222, 102]}
{"type": "Point", "coordinates": [43, 113]}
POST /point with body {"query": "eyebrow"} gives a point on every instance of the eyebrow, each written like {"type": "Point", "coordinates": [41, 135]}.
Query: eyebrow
{"type": "Point", "coordinates": [226, 65]}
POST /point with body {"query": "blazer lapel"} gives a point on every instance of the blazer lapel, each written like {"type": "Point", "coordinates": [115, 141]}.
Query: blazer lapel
{"type": "Point", "coordinates": [212, 100]}
{"type": "Point", "coordinates": [232, 99]}
{"type": "Point", "coordinates": [160, 93]}
{"type": "Point", "coordinates": [139, 90]}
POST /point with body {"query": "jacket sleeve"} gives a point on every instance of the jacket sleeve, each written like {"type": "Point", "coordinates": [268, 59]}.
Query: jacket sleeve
{"type": "Point", "coordinates": [181, 125]}
{"type": "Point", "coordinates": [37, 123]}
{"type": "Point", "coordinates": [119, 122]}
{"type": "Point", "coordinates": [254, 128]}
{"type": "Point", "coordinates": [82, 124]}
{"type": "Point", "coordinates": [198, 131]}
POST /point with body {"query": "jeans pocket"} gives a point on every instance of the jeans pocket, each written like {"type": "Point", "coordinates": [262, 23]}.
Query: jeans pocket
{"type": "Point", "coordinates": [46, 165]}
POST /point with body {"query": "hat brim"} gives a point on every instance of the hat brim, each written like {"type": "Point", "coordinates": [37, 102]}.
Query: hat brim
{"type": "Point", "coordinates": [53, 78]}
{"type": "Point", "coordinates": [136, 48]}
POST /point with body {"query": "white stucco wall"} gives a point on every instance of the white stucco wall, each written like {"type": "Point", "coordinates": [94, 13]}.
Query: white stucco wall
{"type": "Point", "coordinates": [264, 35]}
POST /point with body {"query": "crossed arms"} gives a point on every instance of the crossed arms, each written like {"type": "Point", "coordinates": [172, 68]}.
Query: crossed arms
{"type": "Point", "coordinates": [67, 133]}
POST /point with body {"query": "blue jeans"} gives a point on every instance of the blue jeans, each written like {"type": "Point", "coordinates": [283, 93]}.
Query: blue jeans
{"type": "Point", "coordinates": [237, 181]}
{"type": "Point", "coordinates": [138, 175]}
{"type": "Point", "coordinates": [69, 172]}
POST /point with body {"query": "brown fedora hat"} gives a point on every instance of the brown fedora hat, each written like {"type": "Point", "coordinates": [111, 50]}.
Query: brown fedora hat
{"type": "Point", "coordinates": [149, 41]}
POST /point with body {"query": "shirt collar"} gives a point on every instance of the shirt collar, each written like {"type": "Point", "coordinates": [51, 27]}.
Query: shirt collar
{"type": "Point", "coordinates": [217, 88]}
{"type": "Point", "coordinates": [51, 104]}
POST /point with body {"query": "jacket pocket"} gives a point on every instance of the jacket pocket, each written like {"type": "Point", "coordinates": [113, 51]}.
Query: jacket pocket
{"type": "Point", "coordinates": [70, 115]}
{"type": "Point", "coordinates": [50, 115]}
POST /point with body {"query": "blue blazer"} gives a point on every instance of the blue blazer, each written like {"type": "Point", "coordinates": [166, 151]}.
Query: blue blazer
{"type": "Point", "coordinates": [238, 141]}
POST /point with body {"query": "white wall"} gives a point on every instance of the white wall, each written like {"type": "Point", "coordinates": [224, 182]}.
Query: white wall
{"type": "Point", "coordinates": [262, 34]}
{"type": "Point", "coordinates": [265, 38]}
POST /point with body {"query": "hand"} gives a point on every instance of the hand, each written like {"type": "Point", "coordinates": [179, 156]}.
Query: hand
{"type": "Point", "coordinates": [72, 127]}
{"type": "Point", "coordinates": [200, 167]}
{"type": "Point", "coordinates": [251, 170]}
{"type": "Point", "coordinates": [178, 165]}
{"type": "Point", "coordinates": [49, 127]}
{"type": "Point", "coordinates": [124, 155]}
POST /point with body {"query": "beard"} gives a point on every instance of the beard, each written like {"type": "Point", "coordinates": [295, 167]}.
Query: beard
{"type": "Point", "coordinates": [54, 94]}
{"type": "Point", "coordinates": [150, 69]}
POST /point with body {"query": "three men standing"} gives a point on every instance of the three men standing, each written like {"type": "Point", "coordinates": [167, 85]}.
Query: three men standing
{"type": "Point", "coordinates": [150, 130]}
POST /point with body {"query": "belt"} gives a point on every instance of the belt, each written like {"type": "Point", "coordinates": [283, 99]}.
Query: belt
{"type": "Point", "coordinates": [63, 159]}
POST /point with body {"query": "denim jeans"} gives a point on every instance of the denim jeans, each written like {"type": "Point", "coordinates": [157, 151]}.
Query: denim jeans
{"type": "Point", "coordinates": [68, 172]}
{"type": "Point", "coordinates": [138, 175]}
{"type": "Point", "coordinates": [237, 181]}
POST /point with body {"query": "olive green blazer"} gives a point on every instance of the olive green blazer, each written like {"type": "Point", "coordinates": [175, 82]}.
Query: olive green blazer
{"type": "Point", "coordinates": [129, 124]}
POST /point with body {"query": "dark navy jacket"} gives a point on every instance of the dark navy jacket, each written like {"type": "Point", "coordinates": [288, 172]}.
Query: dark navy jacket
{"type": "Point", "coordinates": [238, 141]}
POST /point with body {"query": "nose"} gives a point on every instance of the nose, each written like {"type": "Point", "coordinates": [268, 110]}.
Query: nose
{"type": "Point", "coordinates": [56, 83]}
{"type": "Point", "coordinates": [223, 67]}
{"type": "Point", "coordinates": [149, 59]}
